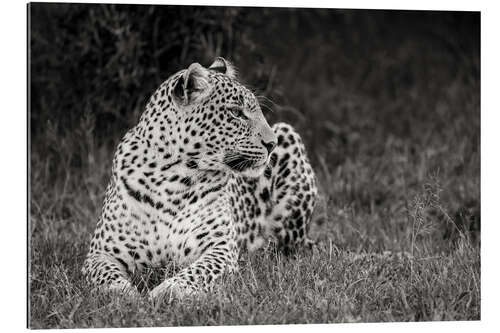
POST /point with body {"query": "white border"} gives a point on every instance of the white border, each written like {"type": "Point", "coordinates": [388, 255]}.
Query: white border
{"type": "Point", "coordinates": [13, 163]}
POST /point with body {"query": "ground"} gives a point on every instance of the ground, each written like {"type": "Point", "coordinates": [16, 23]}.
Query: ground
{"type": "Point", "coordinates": [324, 287]}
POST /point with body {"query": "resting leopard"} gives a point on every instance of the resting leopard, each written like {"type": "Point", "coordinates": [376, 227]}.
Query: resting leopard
{"type": "Point", "coordinates": [199, 179]}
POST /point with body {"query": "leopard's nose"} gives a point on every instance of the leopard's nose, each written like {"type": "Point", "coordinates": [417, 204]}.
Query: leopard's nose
{"type": "Point", "coordinates": [269, 145]}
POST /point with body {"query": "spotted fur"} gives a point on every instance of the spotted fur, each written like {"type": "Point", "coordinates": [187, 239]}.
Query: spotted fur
{"type": "Point", "coordinates": [200, 178]}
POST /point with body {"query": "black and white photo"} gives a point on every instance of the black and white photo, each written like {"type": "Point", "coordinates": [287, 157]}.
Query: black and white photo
{"type": "Point", "coordinates": [217, 165]}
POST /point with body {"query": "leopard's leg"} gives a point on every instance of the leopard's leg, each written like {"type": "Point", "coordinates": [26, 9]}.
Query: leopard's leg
{"type": "Point", "coordinates": [107, 273]}
{"type": "Point", "coordinates": [293, 191]}
{"type": "Point", "coordinates": [207, 249]}
{"type": "Point", "coordinates": [201, 275]}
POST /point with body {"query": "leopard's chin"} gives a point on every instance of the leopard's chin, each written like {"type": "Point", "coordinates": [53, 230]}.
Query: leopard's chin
{"type": "Point", "coordinates": [254, 172]}
{"type": "Point", "coordinates": [242, 165]}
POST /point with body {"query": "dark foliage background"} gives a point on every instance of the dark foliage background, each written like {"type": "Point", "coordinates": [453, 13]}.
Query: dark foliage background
{"type": "Point", "coordinates": [387, 102]}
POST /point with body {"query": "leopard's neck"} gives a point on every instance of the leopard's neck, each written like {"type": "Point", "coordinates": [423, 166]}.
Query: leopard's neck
{"type": "Point", "coordinates": [165, 180]}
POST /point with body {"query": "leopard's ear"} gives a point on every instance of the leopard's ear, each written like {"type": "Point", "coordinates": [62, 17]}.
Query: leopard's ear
{"type": "Point", "coordinates": [192, 84]}
{"type": "Point", "coordinates": [223, 66]}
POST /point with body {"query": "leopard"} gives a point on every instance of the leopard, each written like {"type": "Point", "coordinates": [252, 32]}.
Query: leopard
{"type": "Point", "coordinates": [199, 180]}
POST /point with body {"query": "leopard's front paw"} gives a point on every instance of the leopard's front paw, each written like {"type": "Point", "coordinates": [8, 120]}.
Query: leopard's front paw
{"type": "Point", "coordinates": [122, 287]}
{"type": "Point", "coordinates": [169, 290]}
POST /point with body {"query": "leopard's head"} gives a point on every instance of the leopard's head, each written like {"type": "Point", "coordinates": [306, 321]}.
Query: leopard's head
{"type": "Point", "coordinates": [215, 122]}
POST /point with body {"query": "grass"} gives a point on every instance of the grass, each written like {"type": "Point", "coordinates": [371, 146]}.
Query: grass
{"type": "Point", "coordinates": [325, 286]}
{"type": "Point", "coordinates": [388, 106]}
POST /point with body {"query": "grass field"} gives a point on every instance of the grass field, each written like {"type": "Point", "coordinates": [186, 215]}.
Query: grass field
{"type": "Point", "coordinates": [391, 120]}
{"type": "Point", "coordinates": [393, 247]}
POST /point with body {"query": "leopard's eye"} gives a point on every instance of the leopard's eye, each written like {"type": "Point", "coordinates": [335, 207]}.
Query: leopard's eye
{"type": "Point", "coordinates": [237, 112]}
